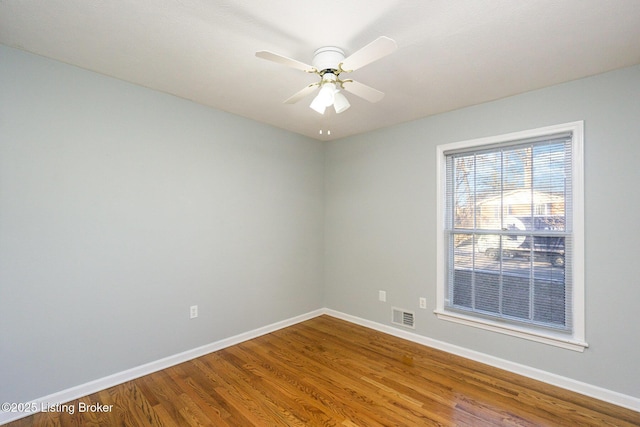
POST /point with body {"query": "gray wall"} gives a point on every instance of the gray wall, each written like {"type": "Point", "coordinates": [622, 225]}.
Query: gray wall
{"type": "Point", "coordinates": [380, 223]}
{"type": "Point", "coordinates": [120, 207]}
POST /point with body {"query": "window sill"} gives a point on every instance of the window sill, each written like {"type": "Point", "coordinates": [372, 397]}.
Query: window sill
{"type": "Point", "coordinates": [550, 338]}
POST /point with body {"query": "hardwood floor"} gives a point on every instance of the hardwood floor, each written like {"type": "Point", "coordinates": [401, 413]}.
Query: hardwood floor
{"type": "Point", "coordinates": [328, 372]}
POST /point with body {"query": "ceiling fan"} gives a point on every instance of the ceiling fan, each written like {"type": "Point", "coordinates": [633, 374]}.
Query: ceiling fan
{"type": "Point", "coordinates": [330, 63]}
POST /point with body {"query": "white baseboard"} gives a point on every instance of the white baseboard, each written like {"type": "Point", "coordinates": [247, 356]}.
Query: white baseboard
{"type": "Point", "coordinates": [91, 387]}
{"type": "Point", "coordinates": [596, 392]}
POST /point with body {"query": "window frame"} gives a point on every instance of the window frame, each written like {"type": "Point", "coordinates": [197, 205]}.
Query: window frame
{"type": "Point", "coordinates": [575, 340]}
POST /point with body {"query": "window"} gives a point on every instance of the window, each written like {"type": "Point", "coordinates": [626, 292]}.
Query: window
{"type": "Point", "coordinates": [510, 234]}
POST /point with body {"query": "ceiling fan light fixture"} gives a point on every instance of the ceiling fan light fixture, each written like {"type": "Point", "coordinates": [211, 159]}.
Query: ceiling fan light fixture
{"type": "Point", "coordinates": [325, 97]}
{"type": "Point", "coordinates": [340, 102]}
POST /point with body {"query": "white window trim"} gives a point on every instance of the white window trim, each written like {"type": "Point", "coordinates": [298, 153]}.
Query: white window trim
{"type": "Point", "coordinates": [576, 341]}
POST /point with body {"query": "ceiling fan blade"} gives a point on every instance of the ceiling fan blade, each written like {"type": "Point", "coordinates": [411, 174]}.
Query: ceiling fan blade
{"type": "Point", "coordinates": [276, 57]}
{"type": "Point", "coordinates": [301, 94]}
{"type": "Point", "coordinates": [380, 47]}
{"type": "Point", "coordinates": [363, 91]}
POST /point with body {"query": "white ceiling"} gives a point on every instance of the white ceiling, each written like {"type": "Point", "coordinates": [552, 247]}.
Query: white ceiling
{"type": "Point", "coordinates": [451, 53]}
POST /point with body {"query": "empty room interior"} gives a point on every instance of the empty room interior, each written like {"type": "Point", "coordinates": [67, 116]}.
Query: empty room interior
{"type": "Point", "coordinates": [330, 213]}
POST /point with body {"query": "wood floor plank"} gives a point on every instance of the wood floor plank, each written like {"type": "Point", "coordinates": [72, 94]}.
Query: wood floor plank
{"type": "Point", "coordinates": [161, 392]}
{"type": "Point", "coordinates": [312, 385]}
{"type": "Point", "coordinates": [274, 382]}
{"type": "Point", "coordinates": [328, 372]}
{"type": "Point", "coordinates": [321, 369]}
{"type": "Point", "coordinates": [204, 401]}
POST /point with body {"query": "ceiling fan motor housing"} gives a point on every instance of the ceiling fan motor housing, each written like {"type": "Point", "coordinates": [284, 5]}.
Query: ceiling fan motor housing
{"type": "Point", "coordinates": [327, 59]}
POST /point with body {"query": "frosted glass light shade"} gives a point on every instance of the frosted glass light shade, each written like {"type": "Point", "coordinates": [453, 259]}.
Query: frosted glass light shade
{"type": "Point", "coordinates": [318, 105]}
{"type": "Point", "coordinates": [340, 102]}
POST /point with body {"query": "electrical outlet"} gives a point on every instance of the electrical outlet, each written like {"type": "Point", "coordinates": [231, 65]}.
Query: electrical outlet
{"type": "Point", "coordinates": [382, 296]}
{"type": "Point", "coordinates": [193, 312]}
{"type": "Point", "coordinates": [423, 303]}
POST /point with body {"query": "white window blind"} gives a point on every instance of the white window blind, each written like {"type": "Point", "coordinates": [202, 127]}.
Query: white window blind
{"type": "Point", "coordinates": [508, 232]}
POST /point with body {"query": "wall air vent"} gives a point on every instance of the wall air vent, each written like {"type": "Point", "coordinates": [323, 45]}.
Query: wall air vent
{"type": "Point", "coordinates": [402, 317]}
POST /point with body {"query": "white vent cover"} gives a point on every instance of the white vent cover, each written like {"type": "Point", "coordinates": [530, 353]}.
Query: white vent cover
{"type": "Point", "coordinates": [403, 317]}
